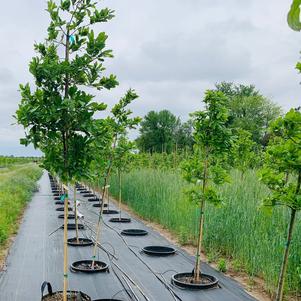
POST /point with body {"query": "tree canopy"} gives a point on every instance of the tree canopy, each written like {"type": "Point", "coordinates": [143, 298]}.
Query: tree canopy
{"type": "Point", "coordinates": [163, 132]}
{"type": "Point", "coordinates": [249, 110]}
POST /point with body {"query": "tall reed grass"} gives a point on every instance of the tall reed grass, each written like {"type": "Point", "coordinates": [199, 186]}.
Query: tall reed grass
{"type": "Point", "coordinates": [239, 230]}
{"type": "Point", "coordinates": [17, 184]}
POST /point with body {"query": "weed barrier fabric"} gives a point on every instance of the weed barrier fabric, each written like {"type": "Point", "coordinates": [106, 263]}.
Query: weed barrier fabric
{"type": "Point", "coordinates": [36, 257]}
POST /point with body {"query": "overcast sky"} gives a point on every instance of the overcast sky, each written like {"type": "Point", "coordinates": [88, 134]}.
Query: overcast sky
{"type": "Point", "coordinates": [169, 51]}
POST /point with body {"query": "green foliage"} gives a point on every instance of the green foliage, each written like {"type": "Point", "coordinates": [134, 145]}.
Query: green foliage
{"type": "Point", "coordinates": [222, 265]}
{"type": "Point", "coordinates": [57, 114]}
{"type": "Point", "coordinates": [16, 186]}
{"type": "Point", "coordinates": [207, 164]}
{"type": "Point", "coordinates": [242, 152]}
{"type": "Point", "coordinates": [238, 230]}
{"type": "Point", "coordinates": [249, 110]}
{"type": "Point", "coordinates": [293, 17]}
{"type": "Point", "coordinates": [283, 156]}
{"type": "Point", "coordinates": [163, 132]}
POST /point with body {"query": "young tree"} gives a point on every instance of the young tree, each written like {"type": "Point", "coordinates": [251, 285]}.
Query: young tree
{"type": "Point", "coordinates": [242, 152]}
{"type": "Point", "coordinates": [57, 114]}
{"type": "Point", "coordinates": [283, 156]}
{"type": "Point", "coordinates": [119, 123]}
{"type": "Point", "coordinates": [122, 158]}
{"type": "Point", "coordinates": [206, 168]}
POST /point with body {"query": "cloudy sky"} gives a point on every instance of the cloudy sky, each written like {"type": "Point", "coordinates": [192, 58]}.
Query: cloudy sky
{"type": "Point", "coordinates": [169, 51]}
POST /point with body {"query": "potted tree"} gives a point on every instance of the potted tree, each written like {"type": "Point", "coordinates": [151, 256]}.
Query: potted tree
{"type": "Point", "coordinates": [57, 114]}
{"type": "Point", "coordinates": [283, 156]}
{"type": "Point", "coordinates": [204, 170]}
{"type": "Point", "coordinates": [123, 156]}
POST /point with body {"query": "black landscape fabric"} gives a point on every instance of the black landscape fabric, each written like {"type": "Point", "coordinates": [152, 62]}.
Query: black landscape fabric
{"type": "Point", "coordinates": [35, 257]}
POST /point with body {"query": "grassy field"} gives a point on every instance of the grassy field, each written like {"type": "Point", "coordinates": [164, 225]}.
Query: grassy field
{"type": "Point", "coordinates": [17, 184]}
{"type": "Point", "coordinates": [239, 231]}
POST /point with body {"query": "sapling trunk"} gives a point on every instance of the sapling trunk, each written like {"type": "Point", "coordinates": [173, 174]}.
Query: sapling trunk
{"type": "Point", "coordinates": [281, 281]}
{"type": "Point", "coordinates": [65, 248]}
{"type": "Point", "coordinates": [65, 142]}
{"type": "Point", "coordinates": [108, 172]}
{"type": "Point", "coordinates": [119, 183]}
{"type": "Point", "coordinates": [197, 269]}
{"type": "Point", "coordinates": [75, 215]}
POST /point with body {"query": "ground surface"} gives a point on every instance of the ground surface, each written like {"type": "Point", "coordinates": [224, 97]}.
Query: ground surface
{"type": "Point", "coordinates": [35, 256]}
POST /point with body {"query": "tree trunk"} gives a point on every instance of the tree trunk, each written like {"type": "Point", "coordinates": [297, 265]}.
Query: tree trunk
{"type": "Point", "coordinates": [97, 238]}
{"type": "Point", "coordinates": [280, 287]}
{"type": "Point", "coordinates": [119, 184]}
{"type": "Point", "coordinates": [66, 169]}
{"type": "Point", "coordinates": [65, 248]}
{"type": "Point", "coordinates": [197, 269]}
{"type": "Point", "coordinates": [281, 281]}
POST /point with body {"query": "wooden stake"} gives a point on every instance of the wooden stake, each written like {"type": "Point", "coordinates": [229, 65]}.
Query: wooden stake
{"type": "Point", "coordinates": [65, 248]}
{"type": "Point", "coordinates": [75, 213]}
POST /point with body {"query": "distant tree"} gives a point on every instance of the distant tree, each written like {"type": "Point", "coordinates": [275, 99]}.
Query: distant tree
{"type": "Point", "coordinates": [249, 110]}
{"type": "Point", "coordinates": [184, 135]}
{"type": "Point", "coordinates": [157, 132]}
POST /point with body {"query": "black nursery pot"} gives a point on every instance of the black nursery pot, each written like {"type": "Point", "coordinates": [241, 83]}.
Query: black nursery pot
{"type": "Point", "coordinates": [84, 266]}
{"type": "Point", "coordinates": [73, 226]}
{"type": "Point", "coordinates": [134, 232]}
{"type": "Point", "coordinates": [62, 209]}
{"type": "Point", "coordinates": [109, 211]}
{"type": "Point", "coordinates": [83, 242]}
{"type": "Point", "coordinates": [61, 203]}
{"type": "Point", "coordinates": [120, 220]}
{"type": "Point", "coordinates": [107, 300]}
{"type": "Point", "coordinates": [72, 295]}
{"type": "Point", "coordinates": [94, 200]}
{"type": "Point", "coordinates": [85, 191]}
{"type": "Point", "coordinates": [89, 195]}
{"type": "Point", "coordinates": [99, 205]}
{"type": "Point", "coordinates": [159, 250]}
{"type": "Point", "coordinates": [182, 280]}
{"type": "Point", "coordinates": [70, 216]}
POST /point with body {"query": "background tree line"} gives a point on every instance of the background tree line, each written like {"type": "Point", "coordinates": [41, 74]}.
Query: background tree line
{"type": "Point", "coordinates": [250, 116]}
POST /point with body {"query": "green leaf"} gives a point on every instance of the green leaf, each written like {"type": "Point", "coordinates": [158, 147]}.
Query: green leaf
{"type": "Point", "coordinates": [293, 17]}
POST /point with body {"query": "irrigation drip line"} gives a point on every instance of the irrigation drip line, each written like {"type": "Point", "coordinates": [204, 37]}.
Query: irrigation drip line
{"type": "Point", "coordinates": [163, 281]}
{"type": "Point", "coordinates": [132, 281]}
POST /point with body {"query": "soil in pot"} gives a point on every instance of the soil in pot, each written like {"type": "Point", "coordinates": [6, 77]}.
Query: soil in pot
{"type": "Point", "coordinates": [85, 266]}
{"type": "Point", "coordinates": [120, 220]}
{"type": "Point", "coordinates": [159, 250]}
{"type": "Point", "coordinates": [62, 209]}
{"type": "Point", "coordinates": [73, 227]}
{"type": "Point", "coordinates": [186, 281]}
{"type": "Point", "coordinates": [70, 216]}
{"type": "Point", "coordinates": [72, 296]}
{"type": "Point", "coordinates": [134, 232]}
{"type": "Point", "coordinates": [83, 242]}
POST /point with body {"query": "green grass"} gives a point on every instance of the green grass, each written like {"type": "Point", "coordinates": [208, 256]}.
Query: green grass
{"type": "Point", "coordinates": [17, 184]}
{"type": "Point", "coordinates": [239, 231]}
